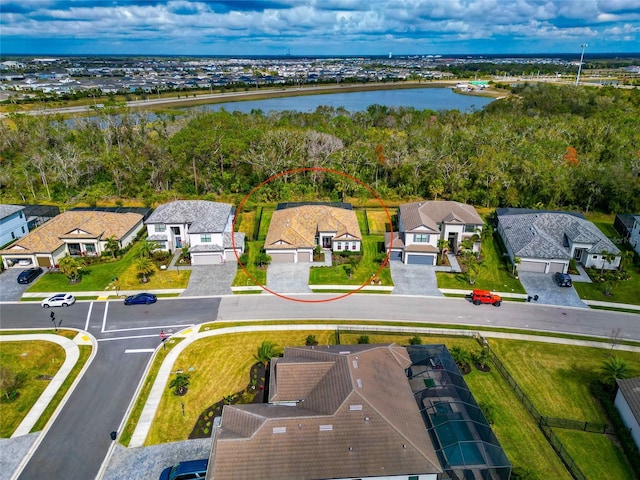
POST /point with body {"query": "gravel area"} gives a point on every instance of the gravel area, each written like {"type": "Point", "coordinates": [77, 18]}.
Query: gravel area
{"type": "Point", "coordinates": [146, 463]}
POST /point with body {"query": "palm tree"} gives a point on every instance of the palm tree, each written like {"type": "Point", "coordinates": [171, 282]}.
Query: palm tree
{"type": "Point", "coordinates": [625, 258]}
{"type": "Point", "coordinates": [470, 262]}
{"type": "Point", "coordinates": [112, 246]}
{"type": "Point", "coordinates": [180, 383]}
{"type": "Point", "coordinates": [516, 261]}
{"type": "Point", "coordinates": [442, 245]}
{"type": "Point", "coordinates": [461, 356]}
{"type": "Point", "coordinates": [70, 267]}
{"type": "Point", "coordinates": [145, 267]}
{"type": "Point", "coordinates": [266, 351]}
{"type": "Point", "coordinates": [614, 368]}
{"type": "Point", "coordinates": [606, 257]}
{"type": "Point", "coordinates": [146, 248]}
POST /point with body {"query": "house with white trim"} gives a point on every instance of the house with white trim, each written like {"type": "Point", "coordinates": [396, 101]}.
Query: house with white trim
{"type": "Point", "coordinates": [628, 404]}
{"type": "Point", "coordinates": [13, 223]}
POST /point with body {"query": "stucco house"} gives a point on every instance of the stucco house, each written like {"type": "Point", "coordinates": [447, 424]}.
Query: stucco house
{"type": "Point", "coordinates": [359, 411]}
{"type": "Point", "coordinates": [422, 224]}
{"type": "Point", "coordinates": [204, 226]}
{"type": "Point", "coordinates": [628, 404]}
{"type": "Point", "coordinates": [13, 223]}
{"type": "Point", "coordinates": [294, 232]}
{"type": "Point", "coordinates": [77, 233]}
{"type": "Point", "coordinates": [545, 241]}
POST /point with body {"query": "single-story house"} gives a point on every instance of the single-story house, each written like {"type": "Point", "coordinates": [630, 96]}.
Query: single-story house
{"type": "Point", "coordinates": [295, 232]}
{"type": "Point", "coordinates": [422, 224]}
{"type": "Point", "coordinates": [13, 223]}
{"type": "Point", "coordinates": [628, 404]}
{"type": "Point", "coordinates": [634, 236]}
{"type": "Point", "coordinates": [203, 226]}
{"type": "Point", "coordinates": [77, 233]}
{"type": "Point", "coordinates": [545, 241]}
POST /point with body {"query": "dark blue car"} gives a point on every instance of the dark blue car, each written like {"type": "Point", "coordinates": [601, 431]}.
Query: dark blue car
{"type": "Point", "coordinates": [186, 470]}
{"type": "Point", "coordinates": [29, 275]}
{"type": "Point", "coordinates": [141, 299]}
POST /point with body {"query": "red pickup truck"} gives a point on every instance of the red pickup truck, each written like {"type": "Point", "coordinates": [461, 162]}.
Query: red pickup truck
{"type": "Point", "coordinates": [485, 296]}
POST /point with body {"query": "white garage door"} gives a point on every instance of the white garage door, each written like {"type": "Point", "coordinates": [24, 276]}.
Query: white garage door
{"type": "Point", "coordinates": [532, 266]}
{"type": "Point", "coordinates": [556, 267]}
{"type": "Point", "coordinates": [304, 257]}
{"type": "Point", "coordinates": [206, 259]}
{"type": "Point", "coordinates": [282, 257]}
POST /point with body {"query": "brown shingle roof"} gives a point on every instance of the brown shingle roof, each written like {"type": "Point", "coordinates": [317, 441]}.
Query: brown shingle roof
{"type": "Point", "coordinates": [297, 227]}
{"type": "Point", "coordinates": [74, 225]}
{"type": "Point", "coordinates": [359, 420]}
{"type": "Point", "coordinates": [432, 212]}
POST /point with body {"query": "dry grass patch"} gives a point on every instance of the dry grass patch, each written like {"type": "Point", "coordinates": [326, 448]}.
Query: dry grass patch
{"type": "Point", "coordinates": [378, 221]}
{"type": "Point", "coordinates": [247, 224]}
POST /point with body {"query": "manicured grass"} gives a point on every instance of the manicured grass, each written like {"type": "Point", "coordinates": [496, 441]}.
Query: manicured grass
{"type": "Point", "coordinates": [247, 224]}
{"type": "Point", "coordinates": [362, 274]}
{"type": "Point", "coordinates": [242, 279]}
{"type": "Point", "coordinates": [221, 367]}
{"type": "Point", "coordinates": [378, 221]}
{"type": "Point", "coordinates": [556, 378]}
{"type": "Point", "coordinates": [362, 222]}
{"type": "Point", "coordinates": [596, 455]}
{"type": "Point", "coordinates": [265, 221]}
{"type": "Point", "coordinates": [493, 275]}
{"type": "Point", "coordinates": [623, 292]}
{"type": "Point", "coordinates": [160, 279]}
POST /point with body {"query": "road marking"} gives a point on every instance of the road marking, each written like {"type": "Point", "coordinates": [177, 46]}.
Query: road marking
{"type": "Point", "coordinates": [155, 335]}
{"type": "Point", "coordinates": [155, 327]}
{"type": "Point", "coordinates": [86, 325]}
{"type": "Point", "coordinates": [140, 350]}
{"type": "Point", "coordinates": [104, 317]}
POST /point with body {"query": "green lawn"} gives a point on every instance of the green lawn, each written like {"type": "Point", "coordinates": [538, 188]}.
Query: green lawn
{"type": "Point", "coordinates": [623, 292]}
{"type": "Point", "coordinates": [378, 220]}
{"type": "Point", "coordinates": [337, 275]}
{"type": "Point", "coordinates": [265, 221]}
{"type": "Point", "coordinates": [494, 274]}
{"type": "Point", "coordinates": [242, 279]}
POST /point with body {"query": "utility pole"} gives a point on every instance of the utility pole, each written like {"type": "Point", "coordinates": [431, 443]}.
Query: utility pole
{"type": "Point", "coordinates": [584, 45]}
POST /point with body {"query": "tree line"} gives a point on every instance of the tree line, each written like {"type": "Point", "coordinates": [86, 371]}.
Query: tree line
{"type": "Point", "coordinates": [544, 146]}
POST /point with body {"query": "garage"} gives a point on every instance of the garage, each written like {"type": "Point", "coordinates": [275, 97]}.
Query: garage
{"type": "Point", "coordinates": [206, 259]}
{"type": "Point", "coordinates": [282, 257]}
{"type": "Point", "coordinates": [304, 257]}
{"type": "Point", "coordinates": [395, 256]}
{"type": "Point", "coordinates": [413, 259]}
{"type": "Point", "coordinates": [44, 262]}
{"type": "Point", "coordinates": [557, 267]}
{"type": "Point", "coordinates": [529, 266]}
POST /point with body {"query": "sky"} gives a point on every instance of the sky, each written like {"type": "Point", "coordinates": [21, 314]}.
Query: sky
{"type": "Point", "coordinates": [318, 27]}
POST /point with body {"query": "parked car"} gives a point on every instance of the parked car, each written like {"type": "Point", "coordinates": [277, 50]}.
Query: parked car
{"type": "Point", "coordinates": [485, 296]}
{"type": "Point", "coordinates": [29, 275]}
{"type": "Point", "coordinates": [563, 279]}
{"type": "Point", "coordinates": [25, 262]}
{"type": "Point", "coordinates": [140, 299]}
{"type": "Point", "coordinates": [186, 470]}
{"type": "Point", "coordinates": [58, 300]}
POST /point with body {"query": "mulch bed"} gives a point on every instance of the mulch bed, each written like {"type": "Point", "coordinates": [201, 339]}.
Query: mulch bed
{"type": "Point", "coordinates": [254, 393]}
{"type": "Point", "coordinates": [485, 369]}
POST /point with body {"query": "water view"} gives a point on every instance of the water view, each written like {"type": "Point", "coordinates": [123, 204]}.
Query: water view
{"type": "Point", "coordinates": [418, 98]}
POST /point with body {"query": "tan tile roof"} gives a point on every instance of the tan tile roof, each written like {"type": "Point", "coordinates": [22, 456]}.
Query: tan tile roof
{"type": "Point", "coordinates": [432, 212]}
{"type": "Point", "coordinates": [74, 225]}
{"type": "Point", "coordinates": [297, 227]}
{"type": "Point", "coordinates": [358, 419]}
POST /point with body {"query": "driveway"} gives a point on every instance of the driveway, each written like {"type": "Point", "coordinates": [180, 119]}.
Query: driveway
{"type": "Point", "coordinates": [414, 280]}
{"type": "Point", "coordinates": [543, 285]}
{"type": "Point", "coordinates": [10, 289]}
{"type": "Point", "coordinates": [208, 280]}
{"type": "Point", "coordinates": [288, 277]}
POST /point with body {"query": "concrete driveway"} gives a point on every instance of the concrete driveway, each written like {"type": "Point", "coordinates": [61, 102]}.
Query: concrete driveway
{"type": "Point", "coordinates": [543, 285]}
{"type": "Point", "coordinates": [10, 289]}
{"type": "Point", "coordinates": [414, 280]}
{"type": "Point", "coordinates": [207, 280]}
{"type": "Point", "coordinates": [287, 278]}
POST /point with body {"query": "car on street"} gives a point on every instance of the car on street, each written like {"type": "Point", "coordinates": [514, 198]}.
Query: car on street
{"type": "Point", "coordinates": [141, 299]}
{"type": "Point", "coordinates": [186, 470]}
{"type": "Point", "coordinates": [485, 296]}
{"type": "Point", "coordinates": [563, 279]}
{"type": "Point", "coordinates": [58, 300]}
{"type": "Point", "coordinates": [29, 275]}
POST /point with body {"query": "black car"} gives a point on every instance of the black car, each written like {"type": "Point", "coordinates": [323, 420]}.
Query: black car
{"type": "Point", "coordinates": [141, 299]}
{"type": "Point", "coordinates": [29, 275]}
{"type": "Point", "coordinates": [563, 279]}
{"type": "Point", "coordinates": [186, 470]}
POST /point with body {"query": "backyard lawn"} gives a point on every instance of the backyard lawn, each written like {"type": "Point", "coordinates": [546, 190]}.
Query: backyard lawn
{"type": "Point", "coordinates": [378, 221]}
{"type": "Point", "coordinates": [265, 221]}
{"type": "Point", "coordinates": [494, 273]}
{"type": "Point", "coordinates": [247, 223]}
{"type": "Point", "coordinates": [368, 267]}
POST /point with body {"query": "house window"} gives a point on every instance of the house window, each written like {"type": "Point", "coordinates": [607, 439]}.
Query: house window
{"type": "Point", "coordinates": [159, 227]}
{"type": "Point", "coordinates": [205, 238]}
{"type": "Point", "coordinates": [90, 248]}
{"type": "Point", "coordinates": [421, 238]}
{"type": "Point", "coordinates": [470, 228]}
{"type": "Point", "coordinates": [13, 235]}
{"type": "Point", "coordinates": [354, 246]}
{"type": "Point", "coordinates": [22, 229]}
{"type": "Point", "coordinates": [339, 245]}
{"type": "Point", "coordinates": [74, 248]}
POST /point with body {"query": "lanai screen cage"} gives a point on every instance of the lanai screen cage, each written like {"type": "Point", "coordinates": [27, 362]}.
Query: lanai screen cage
{"type": "Point", "coordinates": [465, 444]}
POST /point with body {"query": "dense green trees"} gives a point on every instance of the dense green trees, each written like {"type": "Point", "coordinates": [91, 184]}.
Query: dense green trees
{"type": "Point", "coordinates": [543, 147]}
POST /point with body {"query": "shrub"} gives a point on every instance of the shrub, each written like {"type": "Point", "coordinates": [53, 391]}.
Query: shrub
{"type": "Point", "coordinates": [415, 340]}
{"type": "Point", "coordinates": [311, 340]}
{"type": "Point", "coordinates": [363, 339]}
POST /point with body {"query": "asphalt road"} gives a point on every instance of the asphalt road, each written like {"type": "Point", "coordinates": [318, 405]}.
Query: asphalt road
{"type": "Point", "coordinates": [78, 440]}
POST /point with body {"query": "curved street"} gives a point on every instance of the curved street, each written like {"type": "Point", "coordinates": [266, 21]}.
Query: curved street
{"type": "Point", "coordinates": [76, 442]}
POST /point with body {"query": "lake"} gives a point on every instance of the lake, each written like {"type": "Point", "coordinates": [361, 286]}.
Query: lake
{"type": "Point", "coordinates": [418, 98]}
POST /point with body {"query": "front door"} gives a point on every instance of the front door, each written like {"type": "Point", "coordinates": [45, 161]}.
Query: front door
{"type": "Point", "coordinates": [452, 242]}
{"type": "Point", "coordinates": [177, 239]}
{"type": "Point", "coordinates": [326, 242]}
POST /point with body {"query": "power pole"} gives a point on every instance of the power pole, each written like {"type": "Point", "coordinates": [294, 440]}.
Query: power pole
{"type": "Point", "coordinates": [584, 45]}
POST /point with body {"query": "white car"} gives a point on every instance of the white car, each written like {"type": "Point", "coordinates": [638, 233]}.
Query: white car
{"type": "Point", "coordinates": [59, 300]}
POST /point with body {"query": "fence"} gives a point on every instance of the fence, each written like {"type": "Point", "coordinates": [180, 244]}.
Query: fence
{"type": "Point", "coordinates": [591, 427]}
{"type": "Point", "coordinates": [256, 224]}
{"type": "Point", "coordinates": [544, 423]}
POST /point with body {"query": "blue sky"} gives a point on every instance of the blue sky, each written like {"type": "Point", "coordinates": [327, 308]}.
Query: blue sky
{"type": "Point", "coordinates": [317, 27]}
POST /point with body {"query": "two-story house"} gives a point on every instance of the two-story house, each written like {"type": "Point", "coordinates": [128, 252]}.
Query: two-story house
{"type": "Point", "coordinates": [422, 224]}
{"type": "Point", "coordinates": [203, 226]}
{"type": "Point", "coordinates": [13, 223]}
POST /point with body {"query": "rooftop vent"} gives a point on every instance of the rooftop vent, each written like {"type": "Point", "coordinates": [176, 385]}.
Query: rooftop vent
{"type": "Point", "coordinates": [355, 408]}
{"type": "Point", "coordinates": [279, 429]}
